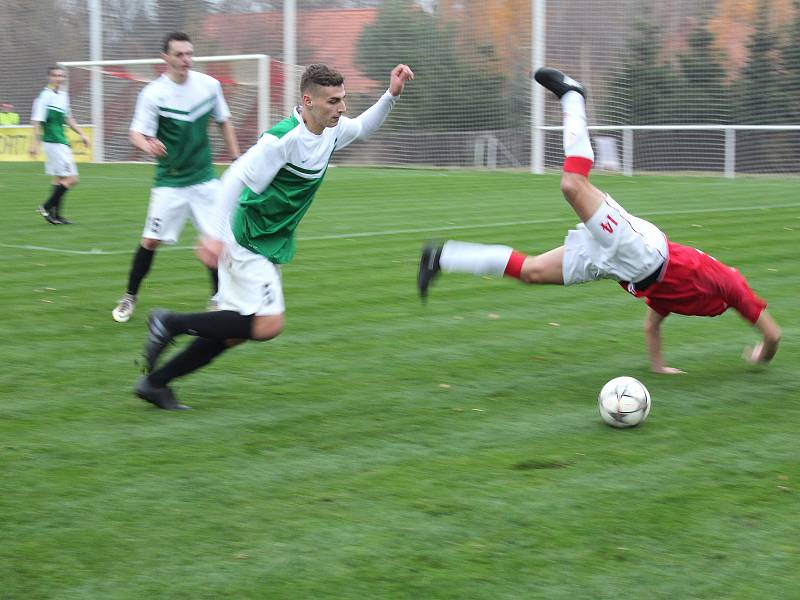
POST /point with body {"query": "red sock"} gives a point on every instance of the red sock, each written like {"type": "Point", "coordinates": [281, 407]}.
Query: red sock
{"type": "Point", "coordinates": [578, 164]}
{"type": "Point", "coordinates": [514, 266]}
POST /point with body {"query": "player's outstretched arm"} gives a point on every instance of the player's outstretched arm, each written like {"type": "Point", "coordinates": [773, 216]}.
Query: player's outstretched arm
{"type": "Point", "coordinates": [368, 122]}
{"type": "Point", "coordinates": [652, 334]}
{"type": "Point", "coordinates": [397, 80]}
{"type": "Point", "coordinates": [765, 350]}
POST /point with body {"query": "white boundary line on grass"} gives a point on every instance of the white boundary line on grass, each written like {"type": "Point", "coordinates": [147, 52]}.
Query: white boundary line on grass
{"type": "Point", "coordinates": [364, 234]}
{"type": "Point", "coordinates": [92, 252]}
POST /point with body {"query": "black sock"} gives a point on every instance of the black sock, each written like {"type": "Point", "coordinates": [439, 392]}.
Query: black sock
{"type": "Point", "coordinates": [55, 198]}
{"type": "Point", "coordinates": [196, 355]}
{"type": "Point", "coordinates": [219, 325]}
{"type": "Point", "coordinates": [59, 202]}
{"type": "Point", "coordinates": [214, 279]}
{"type": "Point", "coordinates": [142, 260]}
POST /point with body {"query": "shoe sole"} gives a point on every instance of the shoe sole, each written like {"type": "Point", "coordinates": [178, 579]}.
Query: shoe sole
{"type": "Point", "coordinates": [557, 82]}
{"type": "Point", "coordinates": [46, 216]}
{"type": "Point", "coordinates": [141, 392]}
{"type": "Point", "coordinates": [120, 318]}
{"type": "Point", "coordinates": [144, 397]}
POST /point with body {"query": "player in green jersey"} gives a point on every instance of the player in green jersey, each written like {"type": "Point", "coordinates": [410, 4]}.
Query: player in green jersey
{"type": "Point", "coordinates": [263, 197]}
{"type": "Point", "coordinates": [170, 123]}
{"type": "Point", "coordinates": [51, 111]}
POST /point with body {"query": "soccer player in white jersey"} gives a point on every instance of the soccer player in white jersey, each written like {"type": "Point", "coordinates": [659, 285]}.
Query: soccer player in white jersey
{"type": "Point", "coordinates": [51, 111]}
{"type": "Point", "coordinates": [263, 197]}
{"type": "Point", "coordinates": [170, 123]}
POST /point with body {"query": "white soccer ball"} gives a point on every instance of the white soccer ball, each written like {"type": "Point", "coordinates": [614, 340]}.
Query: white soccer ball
{"type": "Point", "coordinates": [624, 402]}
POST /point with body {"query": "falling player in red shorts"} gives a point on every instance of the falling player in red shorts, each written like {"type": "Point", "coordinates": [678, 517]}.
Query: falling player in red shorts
{"type": "Point", "coordinates": [610, 243]}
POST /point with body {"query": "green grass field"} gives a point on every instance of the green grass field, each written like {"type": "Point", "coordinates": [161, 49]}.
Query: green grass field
{"type": "Point", "coordinates": [382, 449]}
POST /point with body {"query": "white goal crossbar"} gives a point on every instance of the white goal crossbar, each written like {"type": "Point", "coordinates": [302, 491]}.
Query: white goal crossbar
{"type": "Point", "coordinates": [97, 102]}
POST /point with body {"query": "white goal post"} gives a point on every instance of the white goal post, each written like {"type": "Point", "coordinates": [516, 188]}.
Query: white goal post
{"type": "Point", "coordinates": [94, 102]}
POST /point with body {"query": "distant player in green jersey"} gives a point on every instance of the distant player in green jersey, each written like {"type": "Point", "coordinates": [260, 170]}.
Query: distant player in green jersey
{"type": "Point", "coordinates": [262, 199]}
{"type": "Point", "coordinates": [170, 123]}
{"type": "Point", "coordinates": [50, 113]}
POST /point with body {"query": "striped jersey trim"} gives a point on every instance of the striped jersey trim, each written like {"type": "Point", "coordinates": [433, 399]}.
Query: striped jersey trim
{"type": "Point", "coordinates": [197, 111]}
{"type": "Point", "coordinates": [305, 171]}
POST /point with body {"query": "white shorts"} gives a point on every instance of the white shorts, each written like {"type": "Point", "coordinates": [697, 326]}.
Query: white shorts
{"type": "Point", "coordinates": [171, 207]}
{"type": "Point", "coordinates": [249, 283]}
{"type": "Point", "coordinates": [613, 244]}
{"type": "Point", "coordinates": [60, 162]}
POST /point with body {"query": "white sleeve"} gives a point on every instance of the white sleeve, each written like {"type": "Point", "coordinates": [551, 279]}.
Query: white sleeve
{"type": "Point", "coordinates": [366, 123]}
{"type": "Point", "coordinates": [145, 116]}
{"type": "Point", "coordinates": [221, 111]}
{"type": "Point", "coordinates": [39, 110]}
{"type": "Point", "coordinates": [258, 166]}
{"type": "Point", "coordinates": [230, 189]}
{"type": "Point", "coordinates": [67, 107]}
{"type": "Point", "coordinates": [255, 169]}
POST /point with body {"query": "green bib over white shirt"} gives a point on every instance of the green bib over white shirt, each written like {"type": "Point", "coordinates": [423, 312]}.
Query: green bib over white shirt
{"type": "Point", "coordinates": [178, 115]}
{"type": "Point", "coordinates": [51, 109]}
{"type": "Point", "coordinates": [282, 173]}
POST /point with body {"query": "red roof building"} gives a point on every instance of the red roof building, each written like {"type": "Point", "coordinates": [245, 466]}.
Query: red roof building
{"type": "Point", "coordinates": [323, 36]}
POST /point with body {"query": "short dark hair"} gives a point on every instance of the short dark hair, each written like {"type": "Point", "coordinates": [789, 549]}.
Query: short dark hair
{"type": "Point", "coordinates": [320, 75]}
{"type": "Point", "coordinates": [175, 36]}
{"type": "Point", "coordinates": [52, 68]}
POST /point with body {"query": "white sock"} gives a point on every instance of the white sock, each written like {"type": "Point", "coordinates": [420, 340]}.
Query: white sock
{"type": "Point", "coordinates": [476, 259]}
{"type": "Point", "coordinates": [576, 134]}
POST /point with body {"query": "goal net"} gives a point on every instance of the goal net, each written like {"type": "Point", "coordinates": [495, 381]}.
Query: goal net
{"type": "Point", "coordinates": [104, 94]}
{"type": "Point", "coordinates": [704, 86]}
{"type": "Point", "coordinates": [688, 86]}
{"type": "Point", "coordinates": [701, 86]}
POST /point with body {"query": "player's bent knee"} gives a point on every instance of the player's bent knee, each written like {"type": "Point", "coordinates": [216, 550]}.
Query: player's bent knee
{"type": "Point", "coordinates": [532, 271]}
{"type": "Point", "coordinates": [545, 268]}
{"type": "Point", "coordinates": [532, 277]}
{"type": "Point", "coordinates": [150, 243]}
{"type": "Point", "coordinates": [572, 184]}
{"type": "Point", "coordinates": [267, 327]}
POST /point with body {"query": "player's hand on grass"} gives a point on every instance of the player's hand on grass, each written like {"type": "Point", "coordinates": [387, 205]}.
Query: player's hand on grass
{"type": "Point", "coordinates": [397, 81]}
{"type": "Point", "coordinates": [208, 250]}
{"type": "Point", "coordinates": [754, 355]}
